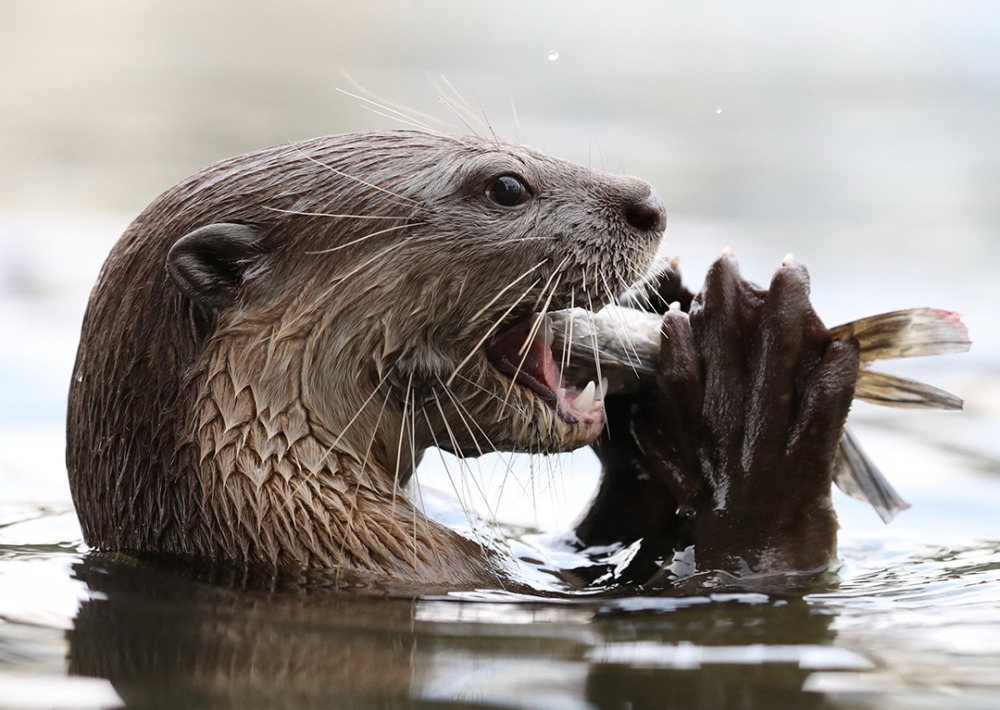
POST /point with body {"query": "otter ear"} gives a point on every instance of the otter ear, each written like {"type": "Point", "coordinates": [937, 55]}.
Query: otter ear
{"type": "Point", "coordinates": [208, 264]}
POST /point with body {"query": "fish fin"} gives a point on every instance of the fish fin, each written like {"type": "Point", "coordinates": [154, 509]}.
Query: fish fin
{"type": "Point", "coordinates": [916, 332]}
{"type": "Point", "coordinates": [893, 391]}
{"type": "Point", "coordinates": [858, 476]}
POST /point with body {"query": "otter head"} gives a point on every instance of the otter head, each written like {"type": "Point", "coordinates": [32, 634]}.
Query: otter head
{"type": "Point", "coordinates": [357, 297]}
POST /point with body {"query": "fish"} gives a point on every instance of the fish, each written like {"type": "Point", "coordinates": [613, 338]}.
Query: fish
{"type": "Point", "coordinates": [620, 347]}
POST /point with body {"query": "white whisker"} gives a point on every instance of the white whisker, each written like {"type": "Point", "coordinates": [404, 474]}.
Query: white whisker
{"type": "Point", "coordinates": [348, 176]}
{"type": "Point", "coordinates": [523, 352]}
{"type": "Point", "coordinates": [463, 107]}
{"type": "Point", "coordinates": [539, 319]}
{"type": "Point", "coordinates": [517, 120]}
{"type": "Point", "coordinates": [482, 311]}
{"type": "Point", "coordinates": [364, 463]}
{"type": "Point", "coordinates": [620, 326]}
{"type": "Point", "coordinates": [458, 115]}
{"type": "Point", "coordinates": [357, 414]}
{"type": "Point", "coordinates": [301, 213]}
{"type": "Point", "coordinates": [593, 339]}
{"type": "Point", "coordinates": [372, 235]}
{"type": "Point", "coordinates": [335, 283]}
{"type": "Point", "coordinates": [496, 324]}
{"type": "Point", "coordinates": [406, 114]}
{"type": "Point", "coordinates": [568, 343]}
{"type": "Point", "coordinates": [471, 518]}
{"type": "Point", "coordinates": [459, 409]}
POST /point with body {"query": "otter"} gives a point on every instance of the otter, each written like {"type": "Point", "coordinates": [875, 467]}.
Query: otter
{"type": "Point", "coordinates": [273, 342]}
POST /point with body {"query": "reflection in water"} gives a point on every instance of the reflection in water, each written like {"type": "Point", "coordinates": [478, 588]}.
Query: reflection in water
{"type": "Point", "coordinates": [170, 640]}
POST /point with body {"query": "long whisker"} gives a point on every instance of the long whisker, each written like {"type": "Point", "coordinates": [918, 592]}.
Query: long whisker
{"type": "Point", "coordinates": [357, 414]}
{"type": "Point", "coordinates": [372, 235]}
{"type": "Point", "coordinates": [463, 106]}
{"type": "Point", "coordinates": [479, 314]}
{"type": "Point", "coordinates": [556, 479]}
{"type": "Point", "coordinates": [360, 181]}
{"type": "Point", "coordinates": [544, 309]}
{"type": "Point", "coordinates": [551, 285]}
{"type": "Point", "coordinates": [517, 120]}
{"type": "Point", "coordinates": [402, 433]}
{"type": "Point", "coordinates": [621, 328]}
{"type": "Point", "coordinates": [302, 213]}
{"type": "Point", "coordinates": [489, 125]}
{"type": "Point", "coordinates": [479, 343]}
{"type": "Point", "coordinates": [470, 515]}
{"type": "Point", "coordinates": [568, 343]}
{"type": "Point", "coordinates": [444, 102]}
{"type": "Point", "coordinates": [398, 119]}
{"type": "Point", "coordinates": [415, 517]}
{"type": "Point", "coordinates": [465, 416]}
{"type": "Point", "coordinates": [593, 339]}
{"type": "Point", "coordinates": [508, 460]}
{"type": "Point", "coordinates": [335, 283]}
{"type": "Point", "coordinates": [486, 336]}
{"type": "Point", "coordinates": [459, 409]}
{"type": "Point", "coordinates": [364, 464]}
{"type": "Point", "coordinates": [527, 239]}
{"type": "Point", "coordinates": [406, 114]}
{"type": "Point", "coordinates": [640, 297]}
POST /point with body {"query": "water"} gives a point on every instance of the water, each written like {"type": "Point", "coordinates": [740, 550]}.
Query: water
{"type": "Point", "coordinates": [907, 622]}
{"type": "Point", "coordinates": [860, 138]}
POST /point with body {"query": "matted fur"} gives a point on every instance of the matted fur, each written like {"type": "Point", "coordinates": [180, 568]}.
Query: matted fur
{"type": "Point", "coordinates": [278, 429]}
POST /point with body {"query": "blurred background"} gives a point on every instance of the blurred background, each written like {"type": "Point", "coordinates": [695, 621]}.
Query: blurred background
{"type": "Point", "coordinates": [862, 136]}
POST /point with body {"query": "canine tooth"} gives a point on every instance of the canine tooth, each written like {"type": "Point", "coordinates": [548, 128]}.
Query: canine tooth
{"type": "Point", "coordinates": [788, 260]}
{"type": "Point", "coordinates": [547, 332]}
{"type": "Point", "coordinates": [561, 393]}
{"type": "Point", "coordinates": [585, 400]}
{"type": "Point", "coordinates": [675, 306]}
{"type": "Point", "coordinates": [728, 251]}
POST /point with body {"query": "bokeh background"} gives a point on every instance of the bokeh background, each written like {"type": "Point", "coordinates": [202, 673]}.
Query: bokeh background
{"type": "Point", "coordinates": [862, 136]}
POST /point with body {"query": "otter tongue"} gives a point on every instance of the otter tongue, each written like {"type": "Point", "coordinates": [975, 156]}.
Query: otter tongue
{"type": "Point", "coordinates": [528, 363]}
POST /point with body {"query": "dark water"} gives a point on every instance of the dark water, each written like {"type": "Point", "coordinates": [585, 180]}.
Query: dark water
{"type": "Point", "coordinates": [861, 136]}
{"type": "Point", "coordinates": [902, 624]}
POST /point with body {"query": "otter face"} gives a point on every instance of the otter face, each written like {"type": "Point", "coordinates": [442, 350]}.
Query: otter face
{"type": "Point", "coordinates": [410, 273]}
{"type": "Point", "coordinates": [534, 235]}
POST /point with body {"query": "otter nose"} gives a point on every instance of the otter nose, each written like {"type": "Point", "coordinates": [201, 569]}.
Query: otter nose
{"type": "Point", "coordinates": [647, 214]}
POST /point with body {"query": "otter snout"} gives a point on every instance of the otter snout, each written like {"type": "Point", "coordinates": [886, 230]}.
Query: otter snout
{"type": "Point", "coordinates": [647, 214]}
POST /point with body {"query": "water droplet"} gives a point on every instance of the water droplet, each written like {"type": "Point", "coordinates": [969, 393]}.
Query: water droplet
{"type": "Point", "coordinates": [718, 110]}
{"type": "Point", "coordinates": [553, 55]}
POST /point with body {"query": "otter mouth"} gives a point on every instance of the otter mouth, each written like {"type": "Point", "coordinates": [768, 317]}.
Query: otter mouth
{"type": "Point", "coordinates": [523, 352]}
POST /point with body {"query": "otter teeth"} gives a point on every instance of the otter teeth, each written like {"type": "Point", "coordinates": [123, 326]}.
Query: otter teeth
{"type": "Point", "coordinates": [585, 400]}
{"type": "Point", "coordinates": [591, 396]}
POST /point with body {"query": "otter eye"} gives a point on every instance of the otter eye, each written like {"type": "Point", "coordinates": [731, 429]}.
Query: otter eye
{"type": "Point", "coordinates": [508, 191]}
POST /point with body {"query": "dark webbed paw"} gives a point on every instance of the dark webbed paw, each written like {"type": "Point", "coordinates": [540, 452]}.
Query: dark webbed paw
{"type": "Point", "coordinates": [750, 406]}
{"type": "Point", "coordinates": [741, 431]}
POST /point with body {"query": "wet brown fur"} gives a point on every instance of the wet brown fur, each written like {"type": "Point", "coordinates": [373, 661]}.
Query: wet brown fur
{"type": "Point", "coordinates": [277, 430]}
